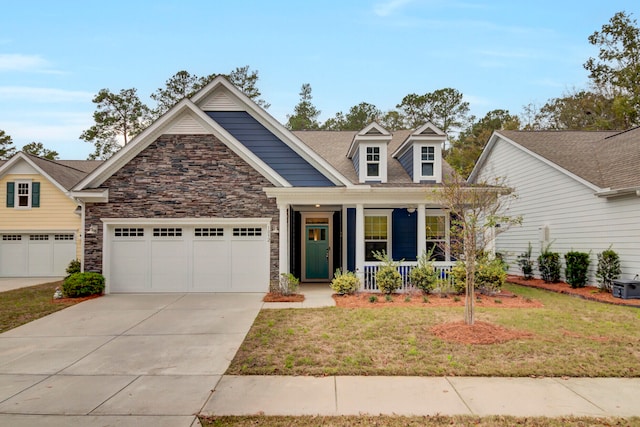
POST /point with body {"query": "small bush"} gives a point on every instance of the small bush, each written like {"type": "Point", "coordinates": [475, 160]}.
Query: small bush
{"type": "Point", "coordinates": [388, 298]}
{"type": "Point", "coordinates": [345, 282]}
{"type": "Point", "coordinates": [459, 273]}
{"type": "Point", "coordinates": [73, 267]}
{"type": "Point", "coordinates": [83, 284]}
{"type": "Point", "coordinates": [288, 284]}
{"type": "Point", "coordinates": [608, 268]}
{"type": "Point", "coordinates": [373, 299]}
{"type": "Point", "coordinates": [489, 276]}
{"type": "Point", "coordinates": [549, 265]}
{"type": "Point", "coordinates": [577, 267]}
{"type": "Point", "coordinates": [388, 279]}
{"type": "Point", "coordinates": [424, 275]}
{"type": "Point", "coordinates": [526, 263]}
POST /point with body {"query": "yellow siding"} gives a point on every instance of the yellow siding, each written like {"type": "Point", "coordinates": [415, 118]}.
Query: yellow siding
{"type": "Point", "coordinates": [56, 211]}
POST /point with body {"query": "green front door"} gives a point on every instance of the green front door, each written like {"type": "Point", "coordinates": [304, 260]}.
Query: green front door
{"type": "Point", "coordinates": [317, 252]}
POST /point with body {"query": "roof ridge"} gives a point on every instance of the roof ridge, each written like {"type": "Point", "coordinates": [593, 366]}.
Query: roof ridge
{"type": "Point", "coordinates": [621, 132]}
{"type": "Point", "coordinates": [55, 162]}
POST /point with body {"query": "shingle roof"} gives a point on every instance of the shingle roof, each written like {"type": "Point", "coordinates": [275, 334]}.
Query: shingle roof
{"type": "Point", "coordinates": [334, 145]}
{"type": "Point", "coordinates": [608, 159]}
{"type": "Point", "coordinates": [66, 172]}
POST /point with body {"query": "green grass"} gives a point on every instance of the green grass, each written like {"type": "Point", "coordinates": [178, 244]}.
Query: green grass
{"type": "Point", "coordinates": [433, 421]}
{"type": "Point", "coordinates": [20, 306]}
{"type": "Point", "coordinates": [569, 337]}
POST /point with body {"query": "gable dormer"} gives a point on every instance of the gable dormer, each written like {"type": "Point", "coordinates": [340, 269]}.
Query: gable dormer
{"type": "Point", "coordinates": [368, 152]}
{"type": "Point", "coordinates": [421, 154]}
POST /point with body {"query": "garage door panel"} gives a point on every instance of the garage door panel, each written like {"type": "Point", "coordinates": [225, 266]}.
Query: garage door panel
{"type": "Point", "coordinates": [249, 266]}
{"type": "Point", "coordinates": [35, 254]}
{"type": "Point", "coordinates": [210, 268]}
{"type": "Point", "coordinates": [168, 266]}
{"type": "Point", "coordinates": [40, 257]}
{"type": "Point", "coordinates": [129, 266]}
{"type": "Point", "coordinates": [64, 251]}
{"type": "Point", "coordinates": [13, 256]}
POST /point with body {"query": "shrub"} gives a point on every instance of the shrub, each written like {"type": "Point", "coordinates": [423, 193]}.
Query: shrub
{"type": "Point", "coordinates": [345, 282]}
{"type": "Point", "coordinates": [73, 267]}
{"type": "Point", "coordinates": [388, 279]}
{"type": "Point", "coordinates": [83, 284]}
{"type": "Point", "coordinates": [490, 275]}
{"type": "Point", "coordinates": [549, 265]}
{"type": "Point", "coordinates": [608, 268]}
{"type": "Point", "coordinates": [577, 267]}
{"type": "Point", "coordinates": [424, 275]}
{"type": "Point", "coordinates": [526, 263]}
{"type": "Point", "coordinates": [459, 273]}
{"type": "Point", "coordinates": [288, 284]}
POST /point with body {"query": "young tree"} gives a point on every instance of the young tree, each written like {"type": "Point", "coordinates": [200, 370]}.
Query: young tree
{"type": "Point", "coordinates": [305, 115]}
{"type": "Point", "coordinates": [618, 63]}
{"type": "Point", "coordinates": [6, 146]}
{"type": "Point", "coordinates": [37, 149]}
{"type": "Point", "coordinates": [478, 214]}
{"type": "Point", "coordinates": [118, 117]}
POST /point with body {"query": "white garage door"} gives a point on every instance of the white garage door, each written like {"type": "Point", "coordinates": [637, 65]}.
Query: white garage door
{"type": "Point", "coordinates": [188, 258]}
{"type": "Point", "coordinates": [36, 254]}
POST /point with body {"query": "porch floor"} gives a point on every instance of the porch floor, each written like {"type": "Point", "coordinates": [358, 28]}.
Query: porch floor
{"type": "Point", "coordinates": [315, 295]}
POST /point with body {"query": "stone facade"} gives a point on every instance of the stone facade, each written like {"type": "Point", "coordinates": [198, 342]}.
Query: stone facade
{"type": "Point", "coordinates": [182, 176]}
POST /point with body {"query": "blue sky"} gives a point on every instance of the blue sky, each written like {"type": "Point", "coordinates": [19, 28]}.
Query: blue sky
{"type": "Point", "coordinates": [56, 55]}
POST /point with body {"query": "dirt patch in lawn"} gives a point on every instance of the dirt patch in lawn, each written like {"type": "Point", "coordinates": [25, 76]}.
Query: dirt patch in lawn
{"type": "Point", "coordinates": [364, 300]}
{"type": "Point", "coordinates": [478, 333]}
{"type": "Point", "coordinates": [588, 292]}
{"type": "Point", "coordinates": [271, 297]}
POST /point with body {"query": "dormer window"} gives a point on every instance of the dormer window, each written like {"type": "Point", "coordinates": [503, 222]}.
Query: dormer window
{"type": "Point", "coordinates": [373, 162]}
{"type": "Point", "coordinates": [428, 157]}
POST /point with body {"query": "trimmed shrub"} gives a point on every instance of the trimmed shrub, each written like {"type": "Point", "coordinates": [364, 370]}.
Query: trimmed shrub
{"type": "Point", "coordinates": [73, 267]}
{"type": "Point", "coordinates": [490, 276]}
{"type": "Point", "coordinates": [608, 268]}
{"type": "Point", "coordinates": [83, 284]}
{"type": "Point", "coordinates": [526, 263]}
{"type": "Point", "coordinates": [424, 275]}
{"type": "Point", "coordinates": [287, 285]}
{"type": "Point", "coordinates": [549, 265]}
{"type": "Point", "coordinates": [576, 269]}
{"type": "Point", "coordinates": [388, 278]}
{"type": "Point", "coordinates": [459, 273]}
{"type": "Point", "coordinates": [345, 282]}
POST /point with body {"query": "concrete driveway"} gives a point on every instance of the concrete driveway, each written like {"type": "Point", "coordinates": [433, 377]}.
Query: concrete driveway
{"type": "Point", "coordinates": [143, 360]}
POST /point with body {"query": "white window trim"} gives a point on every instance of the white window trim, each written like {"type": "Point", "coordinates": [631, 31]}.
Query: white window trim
{"type": "Point", "coordinates": [382, 164]}
{"type": "Point", "coordinates": [437, 163]}
{"type": "Point", "coordinates": [380, 212]}
{"type": "Point", "coordinates": [16, 195]}
{"type": "Point", "coordinates": [447, 231]}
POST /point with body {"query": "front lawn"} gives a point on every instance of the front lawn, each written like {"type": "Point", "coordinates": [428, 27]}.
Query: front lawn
{"type": "Point", "coordinates": [20, 306]}
{"type": "Point", "coordinates": [569, 337]}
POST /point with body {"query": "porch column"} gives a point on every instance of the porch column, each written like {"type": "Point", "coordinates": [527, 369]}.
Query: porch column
{"type": "Point", "coordinates": [283, 243]}
{"type": "Point", "coordinates": [360, 242]}
{"type": "Point", "coordinates": [422, 230]}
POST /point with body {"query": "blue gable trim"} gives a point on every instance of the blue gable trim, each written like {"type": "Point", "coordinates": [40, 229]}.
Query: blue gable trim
{"type": "Point", "coordinates": [351, 239]}
{"type": "Point", "coordinates": [271, 150]}
{"type": "Point", "coordinates": [404, 228]}
{"type": "Point", "coordinates": [406, 160]}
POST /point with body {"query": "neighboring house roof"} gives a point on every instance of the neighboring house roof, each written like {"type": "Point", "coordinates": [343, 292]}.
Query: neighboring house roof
{"type": "Point", "coordinates": [333, 146]}
{"type": "Point", "coordinates": [605, 159]}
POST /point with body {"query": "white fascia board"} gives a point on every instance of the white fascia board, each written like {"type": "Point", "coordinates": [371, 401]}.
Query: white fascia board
{"type": "Point", "coordinates": [411, 139]}
{"type": "Point", "coordinates": [268, 121]}
{"type": "Point", "coordinates": [6, 169]}
{"type": "Point", "coordinates": [92, 196]}
{"type": "Point", "coordinates": [494, 139]}
{"type": "Point", "coordinates": [374, 125]}
{"type": "Point", "coordinates": [429, 125]}
{"type": "Point", "coordinates": [608, 193]}
{"type": "Point", "coordinates": [186, 221]}
{"type": "Point", "coordinates": [139, 143]}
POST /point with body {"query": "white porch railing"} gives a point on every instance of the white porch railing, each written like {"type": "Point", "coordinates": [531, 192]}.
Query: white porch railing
{"type": "Point", "coordinates": [443, 268]}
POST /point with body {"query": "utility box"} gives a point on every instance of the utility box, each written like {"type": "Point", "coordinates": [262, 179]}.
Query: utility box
{"type": "Point", "coordinates": [626, 289]}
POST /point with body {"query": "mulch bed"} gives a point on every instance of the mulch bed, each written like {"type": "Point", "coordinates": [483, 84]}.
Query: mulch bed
{"type": "Point", "coordinates": [589, 292]}
{"type": "Point", "coordinates": [478, 333]}
{"type": "Point", "coordinates": [271, 297]}
{"type": "Point", "coordinates": [74, 300]}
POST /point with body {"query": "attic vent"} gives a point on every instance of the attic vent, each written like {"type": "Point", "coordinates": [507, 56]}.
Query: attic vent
{"type": "Point", "coordinates": [428, 131]}
{"type": "Point", "coordinates": [373, 131]}
{"type": "Point", "coordinates": [187, 125]}
{"type": "Point", "coordinates": [221, 101]}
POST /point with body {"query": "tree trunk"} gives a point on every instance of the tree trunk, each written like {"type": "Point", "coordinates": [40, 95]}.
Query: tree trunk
{"type": "Point", "coordinates": [470, 268]}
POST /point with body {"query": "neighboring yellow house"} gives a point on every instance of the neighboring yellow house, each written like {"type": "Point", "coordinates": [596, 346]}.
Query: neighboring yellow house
{"type": "Point", "coordinates": [40, 223]}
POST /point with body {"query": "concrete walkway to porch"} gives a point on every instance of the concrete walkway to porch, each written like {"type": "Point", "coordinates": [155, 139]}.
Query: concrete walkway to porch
{"type": "Point", "coordinates": [316, 295]}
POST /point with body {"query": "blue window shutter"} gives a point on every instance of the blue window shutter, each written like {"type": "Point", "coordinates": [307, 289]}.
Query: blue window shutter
{"type": "Point", "coordinates": [35, 194]}
{"type": "Point", "coordinates": [11, 193]}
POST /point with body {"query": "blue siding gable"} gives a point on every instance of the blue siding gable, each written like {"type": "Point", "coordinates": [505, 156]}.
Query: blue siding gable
{"type": "Point", "coordinates": [271, 150]}
{"type": "Point", "coordinates": [406, 160]}
{"type": "Point", "coordinates": [356, 161]}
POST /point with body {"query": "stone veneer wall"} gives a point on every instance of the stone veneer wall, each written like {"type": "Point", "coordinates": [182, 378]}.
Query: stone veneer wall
{"type": "Point", "coordinates": [182, 176]}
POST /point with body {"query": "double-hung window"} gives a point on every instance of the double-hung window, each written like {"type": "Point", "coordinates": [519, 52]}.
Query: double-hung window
{"type": "Point", "coordinates": [23, 194]}
{"type": "Point", "coordinates": [427, 161]}
{"type": "Point", "coordinates": [436, 234]}
{"type": "Point", "coordinates": [376, 235]}
{"type": "Point", "coordinates": [373, 162]}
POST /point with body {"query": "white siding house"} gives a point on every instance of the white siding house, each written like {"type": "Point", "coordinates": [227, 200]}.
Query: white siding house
{"type": "Point", "coordinates": [576, 190]}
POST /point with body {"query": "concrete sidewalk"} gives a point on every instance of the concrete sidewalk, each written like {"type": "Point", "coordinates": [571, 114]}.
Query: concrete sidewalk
{"type": "Point", "coordinates": [9, 283]}
{"type": "Point", "coordinates": [346, 395]}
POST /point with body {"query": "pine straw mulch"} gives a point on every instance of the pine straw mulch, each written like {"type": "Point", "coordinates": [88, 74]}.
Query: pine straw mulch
{"type": "Point", "coordinates": [588, 292]}
{"type": "Point", "coordinates": [478, 333]}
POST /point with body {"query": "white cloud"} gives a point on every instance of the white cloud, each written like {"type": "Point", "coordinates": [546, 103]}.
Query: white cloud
{"type": "Point", "coordinates": [43, 95]}
{"type": "Point", "coordinates": [388, 7]}
{"type": "Point", "coordinates": [25, 63]}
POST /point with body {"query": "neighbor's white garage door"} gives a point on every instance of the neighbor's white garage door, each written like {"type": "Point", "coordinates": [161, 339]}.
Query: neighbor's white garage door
{"type": "Point", "coordinates": [176, 258]}
{"type": "Point", "coordinates": [36, 254]}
